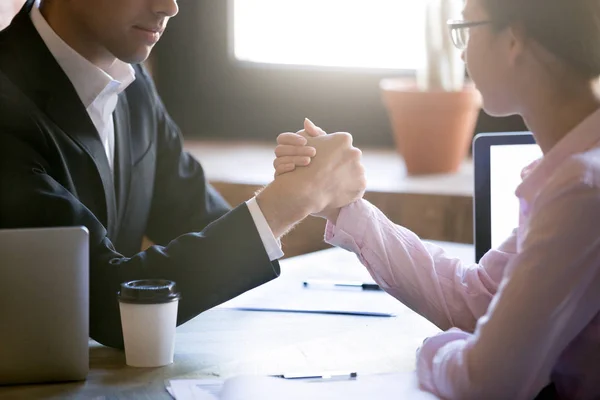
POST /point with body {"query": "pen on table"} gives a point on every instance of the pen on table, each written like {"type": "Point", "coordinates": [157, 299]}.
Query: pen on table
{"type": "Point", "coordinates": [336, 375]}
{"type": "Point", "coordinates": [361, 285]}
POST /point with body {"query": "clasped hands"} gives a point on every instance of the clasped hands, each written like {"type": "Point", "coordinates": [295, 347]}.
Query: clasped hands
{"type": "Point", "coordinates": [328, 165]}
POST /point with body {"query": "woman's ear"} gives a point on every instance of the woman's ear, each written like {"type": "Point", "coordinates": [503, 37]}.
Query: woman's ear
{"type": "Point", "coordinates": [517, 41]}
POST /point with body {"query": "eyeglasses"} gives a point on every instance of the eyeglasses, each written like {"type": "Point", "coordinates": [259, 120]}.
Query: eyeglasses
{"type": "Point", "coordinates": [459, 30]}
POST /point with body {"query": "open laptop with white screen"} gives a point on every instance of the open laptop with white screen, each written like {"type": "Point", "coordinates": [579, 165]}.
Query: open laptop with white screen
{"type": "Point", "coordinates": [499, 159]}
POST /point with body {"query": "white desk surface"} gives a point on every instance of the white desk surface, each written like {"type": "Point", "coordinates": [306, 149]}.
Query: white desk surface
{"type": "Point", "coordinates": [223, 343]}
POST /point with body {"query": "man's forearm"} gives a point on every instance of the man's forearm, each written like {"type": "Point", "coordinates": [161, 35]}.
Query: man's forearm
{"type": "Point", "coordinates": [281, 209]}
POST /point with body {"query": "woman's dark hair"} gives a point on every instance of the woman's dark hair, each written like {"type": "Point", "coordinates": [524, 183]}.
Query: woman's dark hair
{"type": "Point", "coordinates": [570, 29]}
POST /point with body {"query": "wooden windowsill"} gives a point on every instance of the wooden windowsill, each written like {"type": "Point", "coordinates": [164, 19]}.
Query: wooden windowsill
{"type": "Point", "coordinates": [252, 164]}
{"type": "Point", "coordinates": [436, 207]}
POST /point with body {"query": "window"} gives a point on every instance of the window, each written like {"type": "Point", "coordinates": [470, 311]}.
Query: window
{"type": "Point", "coordinates": [372, 34]}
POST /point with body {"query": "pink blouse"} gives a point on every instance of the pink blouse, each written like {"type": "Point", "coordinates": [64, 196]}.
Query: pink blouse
{"type": "Point", "coordinates": [529, 313]}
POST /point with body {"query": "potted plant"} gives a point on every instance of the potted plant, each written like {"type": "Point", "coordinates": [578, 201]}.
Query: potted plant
{"type": "Point", "coordinates": [434, 116]}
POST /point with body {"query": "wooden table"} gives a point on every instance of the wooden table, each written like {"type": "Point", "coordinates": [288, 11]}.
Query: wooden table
{"type": "Point", "coordinates": [225, 342]}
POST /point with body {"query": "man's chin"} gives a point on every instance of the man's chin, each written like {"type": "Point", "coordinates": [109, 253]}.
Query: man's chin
{"type": "Point", "coordinates": [136, 57]}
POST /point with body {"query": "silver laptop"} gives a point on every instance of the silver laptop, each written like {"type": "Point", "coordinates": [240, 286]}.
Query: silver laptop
{"type": "Point", "coordinates": [44, 305]}
{"type": "Point", "coordinates": [499, 159]}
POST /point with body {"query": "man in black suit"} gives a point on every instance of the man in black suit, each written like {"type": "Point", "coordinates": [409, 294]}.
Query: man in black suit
{"type": "Point", "coordinates": [85, 140]}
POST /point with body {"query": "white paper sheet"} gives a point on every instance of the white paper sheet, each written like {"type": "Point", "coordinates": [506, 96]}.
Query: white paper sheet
{"type": "Point", "coordinates": [381, 387]}
{"type": "Point", "coordinates": [195, 389]}
{"type": "Point", "coordinates": [287, 293]}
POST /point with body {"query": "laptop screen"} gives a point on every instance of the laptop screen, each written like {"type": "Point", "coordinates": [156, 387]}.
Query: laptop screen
{"type": "Point", "coordinates": [506, 164]}
{"type": "Point", "coordinates": [498, 159]}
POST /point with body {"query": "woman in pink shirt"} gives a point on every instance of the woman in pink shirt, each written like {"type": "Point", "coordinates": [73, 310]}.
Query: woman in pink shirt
{"type": "Point", "coordinates": [527, 317]}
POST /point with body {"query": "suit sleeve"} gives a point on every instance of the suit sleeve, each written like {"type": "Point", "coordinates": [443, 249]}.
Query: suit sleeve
{"type": "Point", "coordinates": [182, 201]}
{"type": "Point", "coordinates": [210, 266]}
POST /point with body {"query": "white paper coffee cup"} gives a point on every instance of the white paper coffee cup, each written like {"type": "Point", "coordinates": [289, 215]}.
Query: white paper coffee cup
{"type": "Point", "coordinates": [149, 318]}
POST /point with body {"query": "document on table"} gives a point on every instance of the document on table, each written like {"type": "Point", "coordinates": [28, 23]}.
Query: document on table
{"type": "Point", "coordinates": [381, 387]}
{"type": "Point", "coordinates": [195, 389]}
{"type": "Point", "coordinates": [292, 296]}
{"type": "Point", "coordinates": [287, 293]}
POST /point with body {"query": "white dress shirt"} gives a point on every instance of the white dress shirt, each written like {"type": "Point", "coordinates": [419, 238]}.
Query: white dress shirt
{"type": "Point", "coordinates": [272, 245]}
{"type": "Point", "coordinates": [97, 89]}
{"type": "Point", "coordinates": [99, 92]}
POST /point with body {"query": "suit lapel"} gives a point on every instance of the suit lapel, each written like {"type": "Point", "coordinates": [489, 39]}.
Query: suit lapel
{"type": "Point", "coordinates": [26, 60]}
{"type": "Point", "coordinates": [122, 155]}
{"type": "Point", "coordinates": [67, 111]}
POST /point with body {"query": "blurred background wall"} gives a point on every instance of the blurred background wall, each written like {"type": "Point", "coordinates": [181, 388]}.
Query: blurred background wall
{"type": "Point", "coordinates": [212, 95]}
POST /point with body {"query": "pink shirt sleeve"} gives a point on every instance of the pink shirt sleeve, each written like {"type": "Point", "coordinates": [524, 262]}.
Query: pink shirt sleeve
{"type": "Point", "coordinates": [547, 296]}
{"type": "Point", "coordinates": [419, 274]}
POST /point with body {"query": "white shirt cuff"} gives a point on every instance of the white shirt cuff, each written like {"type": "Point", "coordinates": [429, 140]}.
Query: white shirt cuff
{"type": "Point", "coordinates": [272, 245]}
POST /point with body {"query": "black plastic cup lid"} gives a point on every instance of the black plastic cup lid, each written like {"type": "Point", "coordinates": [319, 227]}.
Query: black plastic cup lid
{"type": "Point", "coordinates": [149, 291]}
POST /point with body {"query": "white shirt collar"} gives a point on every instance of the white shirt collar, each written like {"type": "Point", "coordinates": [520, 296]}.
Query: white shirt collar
{"type": "Point", "coordinates": [88, 80]}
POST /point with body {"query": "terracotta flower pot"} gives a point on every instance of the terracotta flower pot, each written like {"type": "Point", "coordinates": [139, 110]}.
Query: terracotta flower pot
{"type": "Point", "coordinates": [432, 130]}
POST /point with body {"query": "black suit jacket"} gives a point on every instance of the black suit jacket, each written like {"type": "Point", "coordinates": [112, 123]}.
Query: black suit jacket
{"type": "Point", "coordinates": [54, 172]}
